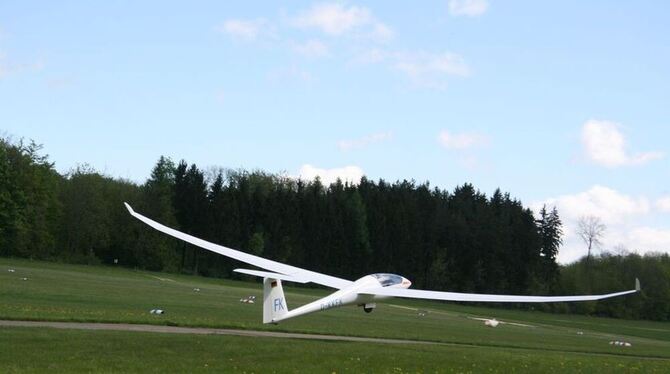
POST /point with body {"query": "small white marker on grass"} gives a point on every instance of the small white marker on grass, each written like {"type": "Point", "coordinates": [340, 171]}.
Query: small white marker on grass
{"type": "Point", "coordinates": [248, 300]}
{"type": "Point", "coordinates": [620, 343]}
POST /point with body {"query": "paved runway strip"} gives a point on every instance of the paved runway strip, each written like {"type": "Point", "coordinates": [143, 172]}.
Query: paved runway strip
{"type": "Point", "coordinates": [203, 331]}
{"type": "Point", "coordinates": [269, 334]}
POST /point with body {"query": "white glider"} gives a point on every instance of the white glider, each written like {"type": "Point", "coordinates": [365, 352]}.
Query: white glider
{"type": "Point", "coordinates": [364, 292]}
{"type": "Point", "coordinates": [492, 322]}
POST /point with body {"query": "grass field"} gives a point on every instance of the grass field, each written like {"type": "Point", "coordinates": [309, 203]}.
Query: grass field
{"type": "Point", "coordinates": [61, 292]}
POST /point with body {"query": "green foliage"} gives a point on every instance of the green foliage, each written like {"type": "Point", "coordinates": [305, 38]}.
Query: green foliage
{"type": "Point", "coordinates": [550, 230]}
{"type": "Point", "coordinates": [155, 251]}
{"type": "Point", "coordinates": [29, 201]}
{"type": "Point", "coordinates": [87, 227]}
{"type": "Point", "coordinates": [7, 208]}
{"type": "Point", "coordinates": [257, 244]}
{"type": "Point", "coordinates": [617, 272]}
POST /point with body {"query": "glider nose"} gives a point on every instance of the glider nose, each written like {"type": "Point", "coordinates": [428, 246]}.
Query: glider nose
{"type": "Point", "coordinates": [406, 283]}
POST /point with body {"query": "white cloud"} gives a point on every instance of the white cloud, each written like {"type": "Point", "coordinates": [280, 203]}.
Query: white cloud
{"type": "Point", "coordinates": [347, 145]}
{"type": "Point", "coordinates": [464, 143]}
{"type": "Point", "coordinates": [312, 48]}
{"type": "Point", "coordinates": [423, 69]}
{"type": "Point", "coordinates": [647, 239]}
{"type": "Point", "coordinates": [362, 32]}
{"type": "Point", "coordinates": [381, 32]}
{"type": "Point", "coordinates": [663, 204]}
{"type": "Point", "coordinates": [421, 63]}
{"type": "Point", "coordinates": [8, 68]}
{"type": "Point", "coordinates": [639, 239]}
{"type": "Point", "coordinates": [604, 144]}
{"type": "Point", "coordinates": [61, 82]}
{"type": "Point", "coordinates": [336, 19]}
{"type": "Point", "coordinates": [621, 215]}
{"type": "Point", "coordinates": [609, 205]}
{"type": "Point", "coordinates": [352, 174]}
{"type": "Point", "coordinates": [428, 69]}
{"type": "Point", "coordinates": [248, 30]}
{"type": "Point", "coordinates": [470, 8]}
{"type": "Point", "coordinates": [461, 141]}
{"type": "Point", "coordinates": [370, 56]}
{"type": "Point", "coordinates": [291, 73]}
{"type": "Point", "coordinates": [4, 68]}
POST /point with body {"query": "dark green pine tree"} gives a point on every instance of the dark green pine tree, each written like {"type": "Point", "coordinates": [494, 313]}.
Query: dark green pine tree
{"type": "Point", "coordinates": [8, 208]}
{"type": "Point", "coordinates": [356, 232]}
{"type": "Point", "coordinates": [156, 251]}
{"type": "Point", "coordinates": [191, 209]}
{"type": "Point", "coordinates": [551, 232]}
{"type": "Point", "coordinates": [87, 220]}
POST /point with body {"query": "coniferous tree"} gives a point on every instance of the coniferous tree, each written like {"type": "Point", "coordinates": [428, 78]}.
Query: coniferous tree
{"type": "Point", "coordinates": [156, 251]}
{"type": "Point", "coordinates": [551, 232]}
{"type": "Point", "coordinates": [8, 208]}
{"type": "Point", "coordinates": [191, 208]}
{"type": "Point", "coordinates": [86, 217]}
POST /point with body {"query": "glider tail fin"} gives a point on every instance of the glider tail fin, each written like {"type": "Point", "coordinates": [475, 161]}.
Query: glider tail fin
{"type": "Point", "coordinates": [274, 302]}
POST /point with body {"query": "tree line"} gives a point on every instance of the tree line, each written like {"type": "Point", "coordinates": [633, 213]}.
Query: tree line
{"type": "Point", "coordinates": [460, 240]}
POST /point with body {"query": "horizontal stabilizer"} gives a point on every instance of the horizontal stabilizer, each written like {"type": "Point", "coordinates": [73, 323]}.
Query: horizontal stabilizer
{"type": "Point", "coordinates": [266, 274]}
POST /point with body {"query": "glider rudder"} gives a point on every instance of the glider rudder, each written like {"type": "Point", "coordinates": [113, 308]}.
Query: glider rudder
{"type": "Point", "coordinates": [274, 302]}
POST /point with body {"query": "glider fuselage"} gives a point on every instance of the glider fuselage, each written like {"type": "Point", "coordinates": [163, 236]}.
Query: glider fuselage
{"type": "Point", "coordinates": [350, 295]}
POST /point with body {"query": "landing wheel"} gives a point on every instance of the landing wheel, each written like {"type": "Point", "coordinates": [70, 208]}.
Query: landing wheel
{"type": "Point", "coordinates": [368, 310]}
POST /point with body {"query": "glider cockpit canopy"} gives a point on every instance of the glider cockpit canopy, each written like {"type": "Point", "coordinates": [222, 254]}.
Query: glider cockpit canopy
{"type": "Point", "coordinates": [386, 279]}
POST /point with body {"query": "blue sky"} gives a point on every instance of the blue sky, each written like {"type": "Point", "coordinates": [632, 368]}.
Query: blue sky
{"type": "Point", "coordinates": [564, 103]}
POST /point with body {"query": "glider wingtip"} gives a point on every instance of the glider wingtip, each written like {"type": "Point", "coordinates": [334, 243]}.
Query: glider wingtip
{"type": "Point", "coordinates": [637, 285]}
{"type": "Point", "coordinates": [130, 209]}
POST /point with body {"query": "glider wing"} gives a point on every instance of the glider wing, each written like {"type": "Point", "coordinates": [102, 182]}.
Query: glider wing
{"type": "Point", "coordinates": [473, 297]}
{"type": "Point", "coordinates": [263, 263]}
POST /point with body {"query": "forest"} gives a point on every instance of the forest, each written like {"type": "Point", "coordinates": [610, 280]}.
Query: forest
{"type": "Point", "coordinates": [460, 240]}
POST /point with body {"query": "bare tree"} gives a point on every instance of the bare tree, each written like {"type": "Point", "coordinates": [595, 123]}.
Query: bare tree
{"type": "Point", "coordinates": [591, 230]}
{"type": "Point", "coordinates": [621, 250]}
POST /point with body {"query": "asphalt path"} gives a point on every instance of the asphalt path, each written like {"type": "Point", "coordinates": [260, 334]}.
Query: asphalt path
{"type": "Point", "coordinates": [204, 331]}
{"type": "Point", "coordinates": [270, 334]}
